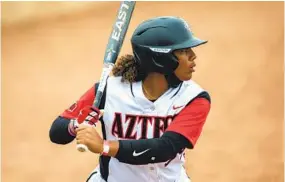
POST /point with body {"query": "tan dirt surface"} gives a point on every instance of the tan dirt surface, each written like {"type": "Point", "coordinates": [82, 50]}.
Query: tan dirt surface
{"type": "Point", "coordinates": [47, 65]}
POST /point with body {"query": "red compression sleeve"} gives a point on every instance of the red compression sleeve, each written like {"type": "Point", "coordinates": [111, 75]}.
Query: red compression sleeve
{"type": "Point", "coordinates": [190, 121]}
{"type": "Point", "coordinates": [85, 100]}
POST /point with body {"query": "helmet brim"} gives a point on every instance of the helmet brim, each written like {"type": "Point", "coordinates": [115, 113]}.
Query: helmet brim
{"type": "Point", "coordinates": [193, 42]}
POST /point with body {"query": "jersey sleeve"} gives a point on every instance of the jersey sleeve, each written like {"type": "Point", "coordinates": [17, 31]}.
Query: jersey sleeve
{"type": "Point", "coordinates": [190, 121]}
{"type": "Point", "coordinates": [86, 99]}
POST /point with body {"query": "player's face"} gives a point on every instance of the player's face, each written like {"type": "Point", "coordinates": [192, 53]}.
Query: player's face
{"type": "Point", "coordinates": [186, 65]}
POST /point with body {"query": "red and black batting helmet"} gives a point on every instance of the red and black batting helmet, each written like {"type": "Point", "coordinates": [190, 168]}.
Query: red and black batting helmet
{"type": "Point", "coordinates": [154, 41]}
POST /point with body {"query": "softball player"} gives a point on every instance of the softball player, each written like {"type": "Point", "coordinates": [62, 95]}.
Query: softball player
{"type": "Point", "coordinates": [153, 111]}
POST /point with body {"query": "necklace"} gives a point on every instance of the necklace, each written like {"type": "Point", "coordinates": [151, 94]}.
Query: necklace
{"type": "Point", "coordinates": [149, 96]}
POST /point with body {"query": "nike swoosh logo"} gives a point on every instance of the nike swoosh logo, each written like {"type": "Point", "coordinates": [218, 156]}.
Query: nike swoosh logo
{"type": "Point", "coordinates": [176, 107]}
{"type": "Point", "coordinates": [140, 153]}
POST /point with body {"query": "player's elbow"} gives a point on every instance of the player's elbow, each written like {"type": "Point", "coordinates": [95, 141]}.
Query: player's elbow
{"type": "Point", "coordinates": [58, 132]}
{"type": "Point", "coordinates": [54, 137]}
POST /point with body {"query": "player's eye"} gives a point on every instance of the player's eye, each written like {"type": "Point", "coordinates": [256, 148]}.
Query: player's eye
{"type": "Point", "coordinates": [183, 51]}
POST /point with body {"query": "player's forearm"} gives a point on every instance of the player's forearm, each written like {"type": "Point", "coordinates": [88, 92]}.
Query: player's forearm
{"type": "Point", "coordinates": [147, 151]}
{"type": "Point", "coordinates": [59, 131]}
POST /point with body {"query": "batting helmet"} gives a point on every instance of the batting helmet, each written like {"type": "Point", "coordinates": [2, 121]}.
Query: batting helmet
{"type": "Point", "coordinates": [154, 41]}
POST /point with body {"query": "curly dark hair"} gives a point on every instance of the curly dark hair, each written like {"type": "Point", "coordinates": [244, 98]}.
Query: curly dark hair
{"type": "Point", "coordinates": [128, 68]}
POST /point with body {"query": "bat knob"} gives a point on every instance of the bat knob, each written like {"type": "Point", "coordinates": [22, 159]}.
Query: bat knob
{"type": "Point", "coordinates": [82, 148]}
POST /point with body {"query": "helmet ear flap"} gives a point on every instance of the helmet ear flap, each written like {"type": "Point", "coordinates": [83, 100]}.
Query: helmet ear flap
{"type": "Point", "coordinates": [151, 61]}
{"type": "Point", "coordinates": [142, 57]}
{"type": "Point", "coordinates": [164, 63]}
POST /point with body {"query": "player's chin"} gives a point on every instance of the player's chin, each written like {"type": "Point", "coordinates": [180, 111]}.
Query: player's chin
{"type": "Point", "coordinates": [186, 77]}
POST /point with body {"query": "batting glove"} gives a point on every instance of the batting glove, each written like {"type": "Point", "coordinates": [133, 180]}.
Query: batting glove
{"type": "Point", "coordinates": [88, 115]}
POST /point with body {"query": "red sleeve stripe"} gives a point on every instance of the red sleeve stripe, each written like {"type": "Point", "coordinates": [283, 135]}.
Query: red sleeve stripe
{"type": "Point", "coordinates": [190, 121]}
{"type": "Point", "coordinates": [86, 99]}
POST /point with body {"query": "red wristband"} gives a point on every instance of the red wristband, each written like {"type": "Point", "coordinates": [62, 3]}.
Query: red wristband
{"type": "Point", "coordinates": [106, 148]}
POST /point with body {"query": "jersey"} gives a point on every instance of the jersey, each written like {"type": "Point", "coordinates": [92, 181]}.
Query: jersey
{"type": "Point", "coordinates": [130, 115]}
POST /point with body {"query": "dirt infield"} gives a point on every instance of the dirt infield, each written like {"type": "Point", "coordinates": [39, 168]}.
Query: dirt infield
{"type": "Point", "coordinates": [47, 65]}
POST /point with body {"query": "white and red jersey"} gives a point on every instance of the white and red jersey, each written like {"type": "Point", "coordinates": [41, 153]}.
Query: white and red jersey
{"type": "Point", "coordinates": [128, 114]}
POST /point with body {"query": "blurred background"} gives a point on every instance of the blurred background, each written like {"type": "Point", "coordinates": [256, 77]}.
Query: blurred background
{"type": "Point", "coordinates": [52, 53]}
